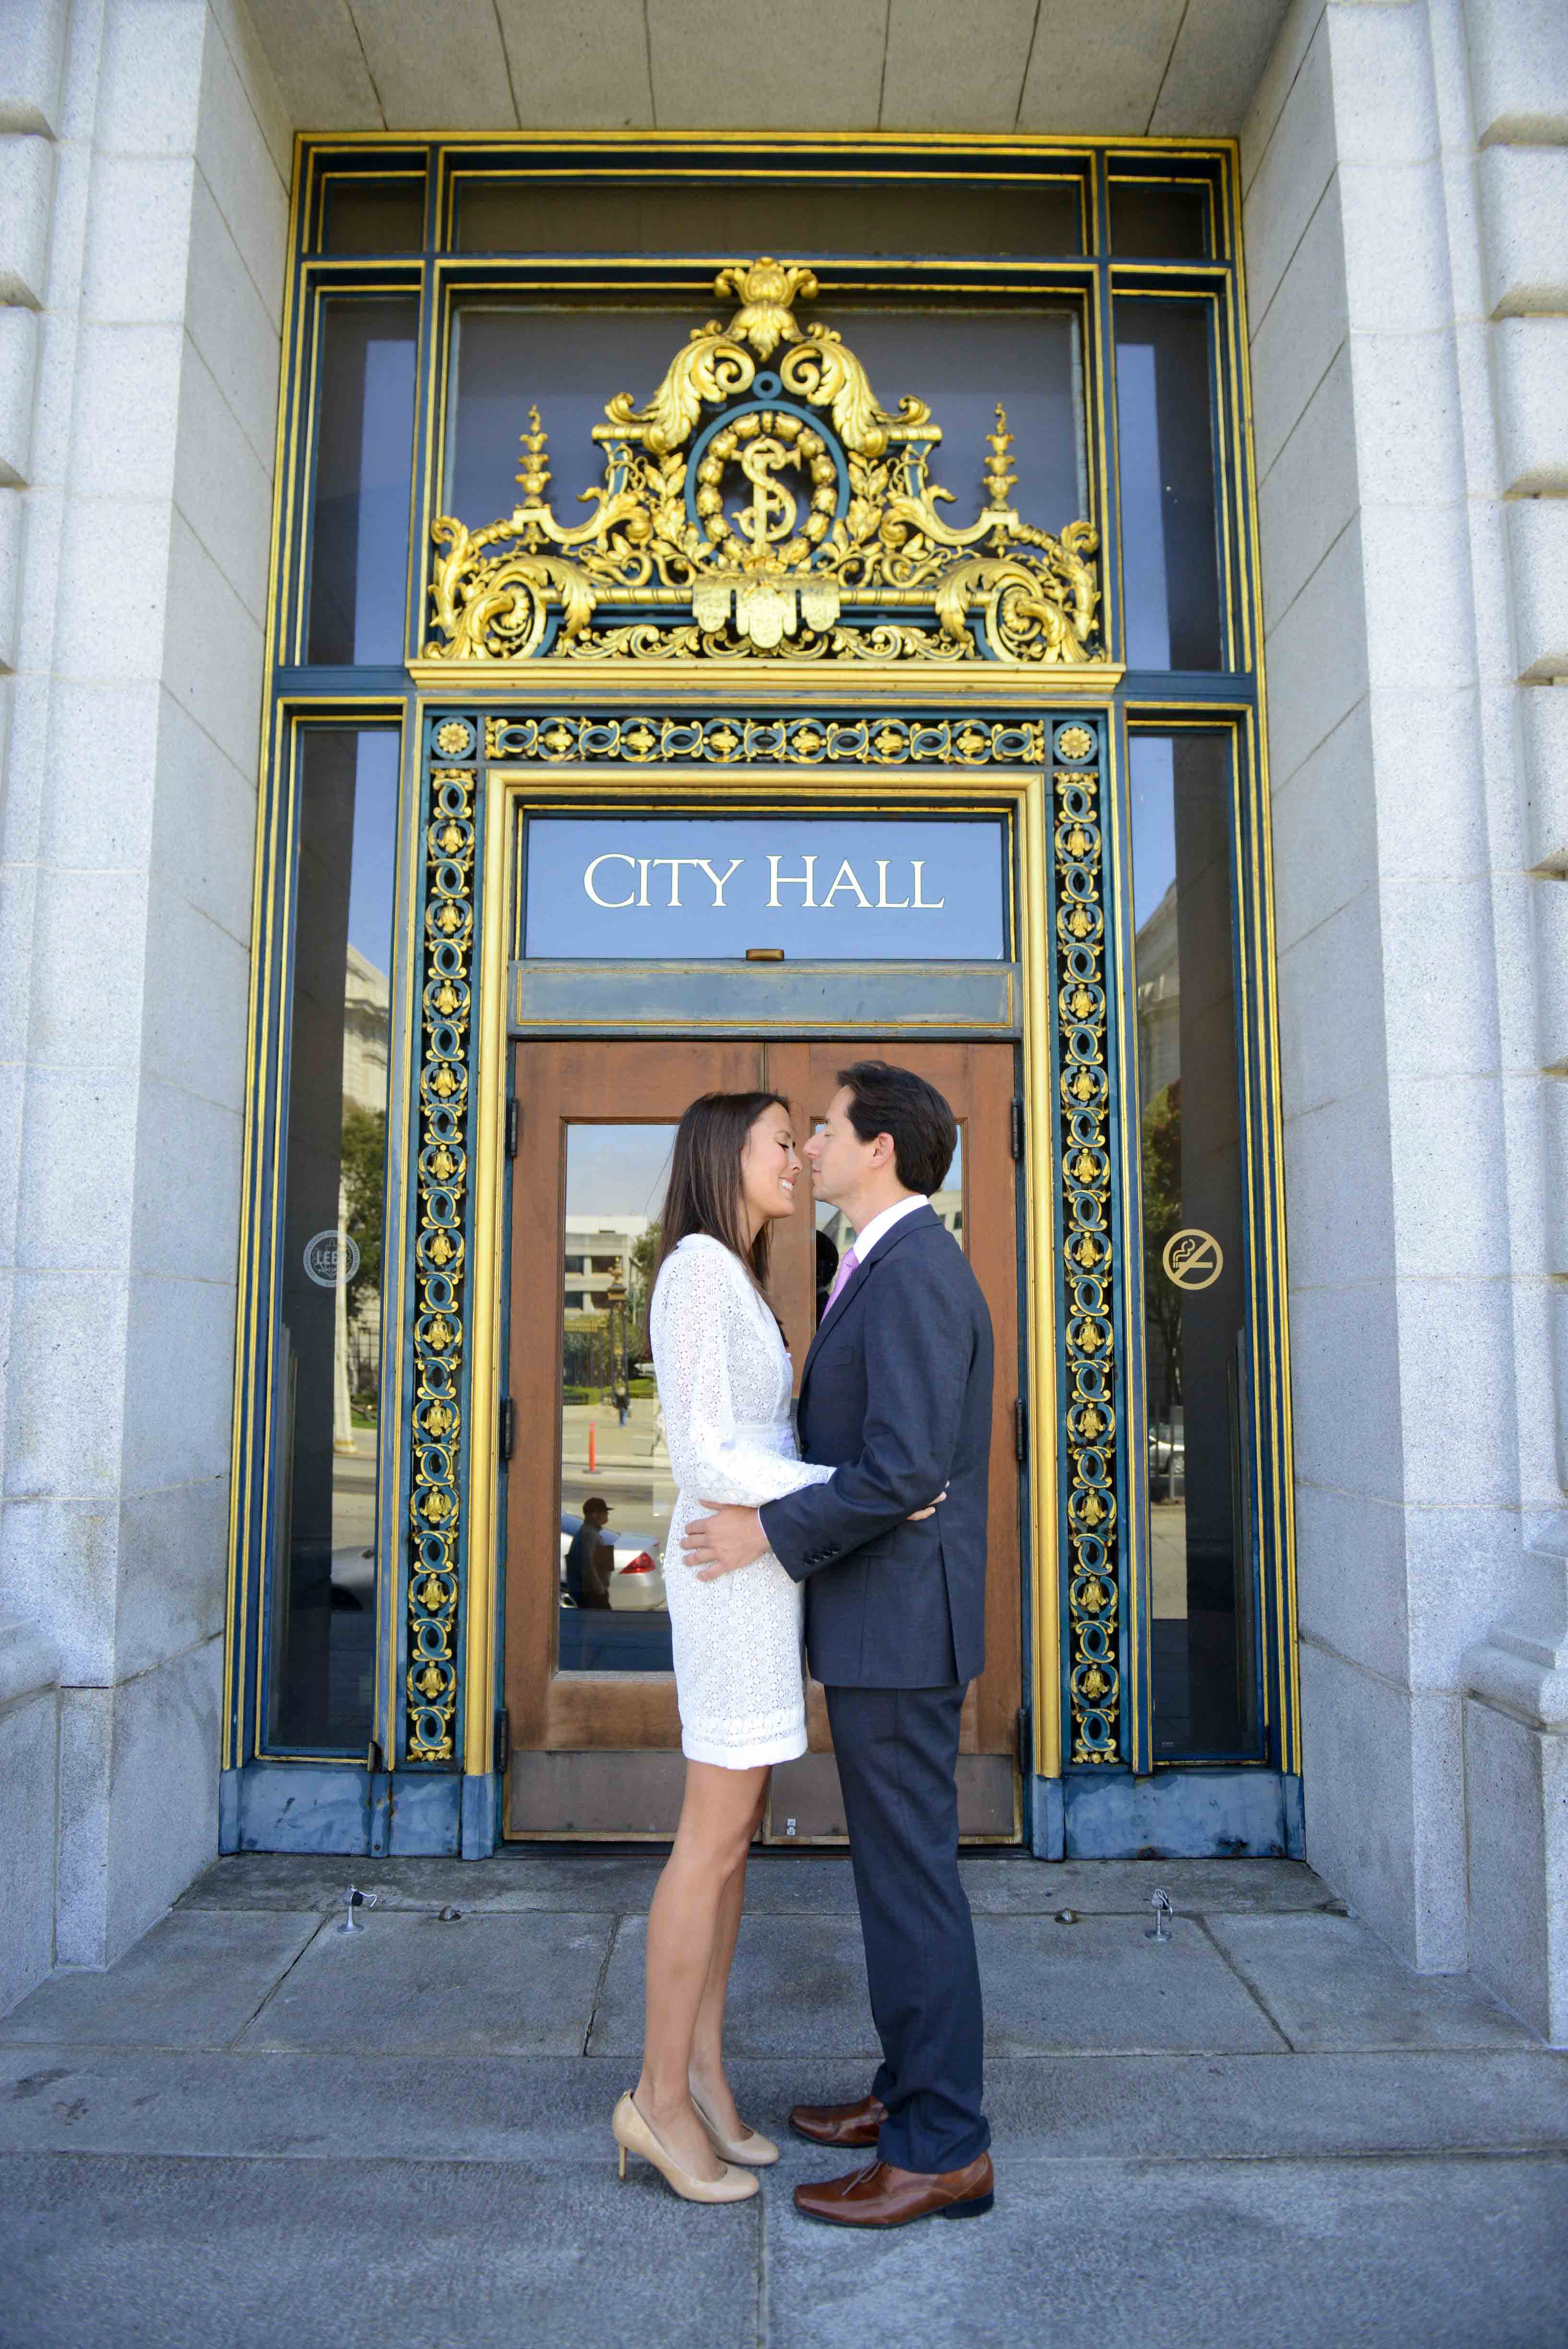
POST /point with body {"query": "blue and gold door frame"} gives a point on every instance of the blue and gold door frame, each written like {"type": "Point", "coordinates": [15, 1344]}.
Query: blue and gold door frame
{"type": "Point", "coordinates": [767, 608]}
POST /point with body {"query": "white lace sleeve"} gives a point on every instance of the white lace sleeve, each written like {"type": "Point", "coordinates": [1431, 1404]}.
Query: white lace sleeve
{"type": "Point", "coordinates": [699, 1320]}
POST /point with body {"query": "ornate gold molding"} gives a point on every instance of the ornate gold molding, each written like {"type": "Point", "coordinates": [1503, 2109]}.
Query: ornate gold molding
{"type": "Point", "coordinates": [1089, 1404]}
{"type": "Point", "coordinates": [645, 740]}
{"type": "Point", "coordinates": [780, 512]}
{"type": "Point", "coordinates": [440, 1310]}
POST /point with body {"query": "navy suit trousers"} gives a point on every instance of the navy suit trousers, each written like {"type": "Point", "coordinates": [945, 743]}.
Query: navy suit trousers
{"type": "Point", "coordinates": [897, 1754]}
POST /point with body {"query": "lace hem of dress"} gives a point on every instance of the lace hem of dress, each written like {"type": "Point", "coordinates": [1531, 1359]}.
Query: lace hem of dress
{"type": "Point", "coordinates": [760, 1757]}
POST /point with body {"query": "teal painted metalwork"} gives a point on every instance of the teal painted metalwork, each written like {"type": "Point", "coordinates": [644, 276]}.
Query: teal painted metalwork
{"type": "Point", "coordinates": [814, 735]}
{"type": "Point", "coordinates": [1091, 1367]}
{"type": "Point", "coordinates": [441, 1244]}
{"type": "Point", "coordinates": [811, 739]}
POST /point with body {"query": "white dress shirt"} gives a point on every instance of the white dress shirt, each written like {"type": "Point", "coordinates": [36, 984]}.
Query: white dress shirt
{"type": "Point", "coordinates": [864, 1241]}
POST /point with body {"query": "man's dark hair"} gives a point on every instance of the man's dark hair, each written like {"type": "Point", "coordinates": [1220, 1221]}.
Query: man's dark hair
{"type": "Point", "coordinates": [886, 1099]}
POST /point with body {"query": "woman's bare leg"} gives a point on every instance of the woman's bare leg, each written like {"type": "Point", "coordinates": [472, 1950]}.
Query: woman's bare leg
{"type": "Point", "coordinates": [718, 1816]}
{"type": "Point", "coordinates": [708, 2039]}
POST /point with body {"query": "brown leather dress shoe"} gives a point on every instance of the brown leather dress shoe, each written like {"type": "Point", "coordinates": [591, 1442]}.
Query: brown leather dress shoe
{"type": "Point", "coordinates": [845, 2128]}
{"type": "Point", "coordinates": [881, 2196]}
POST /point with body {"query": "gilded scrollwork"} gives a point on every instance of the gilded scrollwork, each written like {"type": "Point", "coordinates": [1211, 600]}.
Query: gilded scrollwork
{"type": "Point", "coordinates": [440, 1256]}
{"type": "Point", "coordinates": [1091, 1529]}
{"type": "Point", "coordinates": [777, 510]}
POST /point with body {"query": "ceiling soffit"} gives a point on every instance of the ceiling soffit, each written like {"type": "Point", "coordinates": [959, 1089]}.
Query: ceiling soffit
{"type": "Point", "coordinates": [1119, 68]}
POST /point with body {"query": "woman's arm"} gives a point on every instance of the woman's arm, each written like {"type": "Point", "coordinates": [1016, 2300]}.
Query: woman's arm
{"type": "Point", "coordinates": [708, 1455]}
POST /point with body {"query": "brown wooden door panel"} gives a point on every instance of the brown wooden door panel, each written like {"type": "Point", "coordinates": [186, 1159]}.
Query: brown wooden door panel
{"type": "Point", "coordinates": [557, 1085]}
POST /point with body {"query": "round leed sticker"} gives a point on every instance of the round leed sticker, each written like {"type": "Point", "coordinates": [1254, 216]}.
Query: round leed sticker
{"type": "Point", "coordinates": [1193, 1259]}
{"type": "Point", "coordinates": [331, 1258]}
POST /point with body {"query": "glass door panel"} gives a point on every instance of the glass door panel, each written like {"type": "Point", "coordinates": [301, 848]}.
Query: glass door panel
{"type": "Point", "coordinates": [616, 1491]}
{"type": "Point", "coordinates": [320, 1644]}
{"type": "Point", "coordinates": [978, 1202]}
{"type": "Point", "coordinates": [1199, 1468]}
{"type": "Point", "coordinates": [595, 1731]}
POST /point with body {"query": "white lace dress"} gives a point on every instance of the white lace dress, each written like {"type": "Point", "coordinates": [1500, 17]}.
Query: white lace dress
{"type": "Point", "coordinates": [724, 1390]}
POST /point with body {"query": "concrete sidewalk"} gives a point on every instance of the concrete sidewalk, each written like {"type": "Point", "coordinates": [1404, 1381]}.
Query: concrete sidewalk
{"type": "Point", "coordinates": [257, 2129]}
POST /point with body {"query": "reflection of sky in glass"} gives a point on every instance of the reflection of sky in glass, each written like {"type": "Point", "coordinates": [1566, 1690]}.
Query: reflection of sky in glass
{"type": "Point", "coordinates": [1153, 794]}
{"type": "Point", "coordinates": [865, 869]}
{"type": "Point", "coordinates": [572, 361]}
{"type": "Point", "coordinates": [1169, 546]}
{"type": "Point", "coordinates": [617, 1170]}
{"type": "Point", "coordinates": [962, 364]}
{"type": "Point", "coordinates": [383, 555]}
{"type": "Point", "coordinates": [370, 874]}
{"type": "Point", "coordinates": [1143, 510]}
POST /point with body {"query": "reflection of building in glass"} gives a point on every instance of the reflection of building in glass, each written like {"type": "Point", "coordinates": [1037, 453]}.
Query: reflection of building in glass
{"type": "Point", "coordinates": [364, 1034]}
{"type": "Point", "coordinates": [599, 1250]}
{"type": "Point", "coordinates": [1159, 967]}
{"type": "Point", "coordinates": [1157, 963]}
{"type": "Point", "coordinates": [363, 1179]}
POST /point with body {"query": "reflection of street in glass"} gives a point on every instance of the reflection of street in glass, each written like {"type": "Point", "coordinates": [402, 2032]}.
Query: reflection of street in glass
{"type": "Point", "coordinates": [351, 1636]}
{"type": "Point", "coordinates": [612, 1435]}
{"type": "Point", "coordinates": [631, 1466]}
{"type": "Point", "coordinates": [628, 1467]}
{"type": "Point", "coordinates": [1167, 1557]}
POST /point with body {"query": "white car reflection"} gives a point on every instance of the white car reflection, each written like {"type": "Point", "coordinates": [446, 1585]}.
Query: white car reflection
{"type": "Point", "coordinates": [637, 1584]}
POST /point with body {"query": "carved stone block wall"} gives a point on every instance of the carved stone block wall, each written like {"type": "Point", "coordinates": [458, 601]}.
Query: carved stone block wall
{"type": "Point", "coordinates": [140, 404]}
{"type": "Point", "coordinates": [1392, 254]}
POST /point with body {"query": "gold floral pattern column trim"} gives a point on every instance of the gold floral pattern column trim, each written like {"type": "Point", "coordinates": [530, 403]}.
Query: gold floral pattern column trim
{"type": "Point", "coordinates": [804, 741]}
{"type": "Point", "coordinates": [1089, 1369]}
{"type": "Point", "coordinates": [440, 1255]}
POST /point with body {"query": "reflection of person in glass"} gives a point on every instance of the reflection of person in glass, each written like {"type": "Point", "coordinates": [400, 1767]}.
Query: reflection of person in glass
{"type": "Point", "coordinates": [590, 1561]}
{"type": "Point", "coordinates": [724, 1385]}
{"type": "Point", "coordinates": [826, 1268]}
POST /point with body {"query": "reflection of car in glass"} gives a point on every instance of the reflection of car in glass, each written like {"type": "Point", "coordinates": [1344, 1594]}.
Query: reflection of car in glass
{"type": "Point", "coordinates": [637, 1585]}
{"type": "Point", "coordinates": [1167, 1458]}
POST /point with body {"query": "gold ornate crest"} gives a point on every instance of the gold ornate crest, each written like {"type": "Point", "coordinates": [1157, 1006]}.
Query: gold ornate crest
{"type": "Point", "coordinates": [773, 510]}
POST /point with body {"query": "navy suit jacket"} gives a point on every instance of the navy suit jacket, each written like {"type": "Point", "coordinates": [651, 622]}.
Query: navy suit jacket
{"type": "Point", "coordinates": [895, 1395]}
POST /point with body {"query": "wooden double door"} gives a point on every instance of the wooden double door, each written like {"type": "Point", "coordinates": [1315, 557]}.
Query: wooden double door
{"type": "Point", "coordinates": [594, 1732]}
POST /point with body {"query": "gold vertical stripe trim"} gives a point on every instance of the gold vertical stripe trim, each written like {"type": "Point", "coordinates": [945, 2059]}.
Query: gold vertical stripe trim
{"type": "Point", "coordinates": [485, 1379]}
{"type": "Point", "coordinates": [1040, 1283]}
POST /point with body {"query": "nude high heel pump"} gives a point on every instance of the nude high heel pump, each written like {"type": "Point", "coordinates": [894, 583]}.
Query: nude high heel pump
{"type": "Point", "coordinates": [632, 2135]}
{"type": "Point", "coordinates": [752, 2151]}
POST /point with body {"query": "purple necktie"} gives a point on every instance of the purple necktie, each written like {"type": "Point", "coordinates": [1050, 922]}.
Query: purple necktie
{"type": "Point", "coordinates": [847, 1265]}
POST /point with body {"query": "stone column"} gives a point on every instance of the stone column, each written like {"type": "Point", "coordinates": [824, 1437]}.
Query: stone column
{"type": "Point", "coordinates": [1516, 1677]}
{"type": "Point", "coordinates": [29, 1666]}
{"type": "Point", "coordinates": [1408, 934]}
{"type": "Point", "coordinates": [125, 904]}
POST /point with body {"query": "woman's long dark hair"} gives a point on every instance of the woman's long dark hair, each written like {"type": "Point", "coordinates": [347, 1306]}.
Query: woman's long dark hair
{"type": "Point", "coordinates": [705, 1181]}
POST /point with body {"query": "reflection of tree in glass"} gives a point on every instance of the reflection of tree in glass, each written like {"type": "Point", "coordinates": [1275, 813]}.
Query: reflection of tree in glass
{"type": "Point", "coordinates": [364, 1196]}
{"type": "Point", "coordinates": [1161, 1219]}
{"type": "Point", "coordinates": [643, 1256]}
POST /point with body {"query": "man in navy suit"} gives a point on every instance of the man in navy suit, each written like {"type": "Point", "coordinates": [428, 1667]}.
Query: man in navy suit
{"type": "Point", "coordinates": [897, 1396]}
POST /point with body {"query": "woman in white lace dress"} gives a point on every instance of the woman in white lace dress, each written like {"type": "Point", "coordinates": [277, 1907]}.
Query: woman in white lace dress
{"type": "Point", "coordinates": [724, 1390]}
